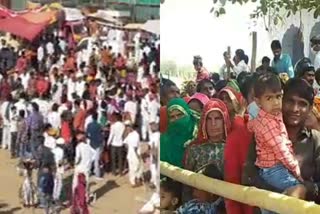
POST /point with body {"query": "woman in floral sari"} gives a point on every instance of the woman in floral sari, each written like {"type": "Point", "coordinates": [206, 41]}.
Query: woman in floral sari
{"type": "Point", "coordinates": [209, 146]}
{"type": "Point", "coordinates": [182, 128]}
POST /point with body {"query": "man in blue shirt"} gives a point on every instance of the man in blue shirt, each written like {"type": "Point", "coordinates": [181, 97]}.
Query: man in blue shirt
{"type": "Point", "coordinates": [95, 135]}
{"type": "Point", "coordinates": [281, 62]}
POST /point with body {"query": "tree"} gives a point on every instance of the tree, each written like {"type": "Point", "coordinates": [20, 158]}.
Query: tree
{"type": "Point", "coordinates": [275, 10]}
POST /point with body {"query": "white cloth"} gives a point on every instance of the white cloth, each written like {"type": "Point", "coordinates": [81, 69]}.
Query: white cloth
{"type": "Point", "coordinates": [132, 141]}
{"type": "Point", "coordinates": [131, 107]}
{"type": "Point", "coordinates": [80, 87]}
{"type": "Point", "coordinates": [56, 96]}
{"type": "Point", "coordinates": [87, 121]}
{"type": "Point", "coordinates": [54, 119]}
{"type": "Point", "coordinates": [154, 144]}
{"type": "Point", "coordinates": [13, 121]}
{"type": "Point", "coordinates": [154, 108]}
{"type": "Point", "coordinates": [49, 141]}
{"type": "Point", "coordinates": [317, 60]}
{"type": "Point", "coordinates": [22, 105]}
{"type": "Point", "coordinates": [240, 67]}
{"type": "Point", "coordinates": [40, 54]}
{"type": "Point", "coordinates": [84, 157]}
{"type": "Point", "coordinates": [50, 48]}
{"type": "Point", "coordinates": [116, 132]}
{"type": "Point", "coordinates": [71, 89]}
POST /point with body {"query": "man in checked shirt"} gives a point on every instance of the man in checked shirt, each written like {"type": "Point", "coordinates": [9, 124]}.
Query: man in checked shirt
{"type": "Point", "coordinates": [275, 157]}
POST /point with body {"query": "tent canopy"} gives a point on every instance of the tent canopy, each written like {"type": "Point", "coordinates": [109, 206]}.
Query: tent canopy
{"type": "Point", "coordinates": [20, 27]}
{"type": "Point", "coordinates": [152, 26]}
{"type": "Point", "coordinates": [40, 17]}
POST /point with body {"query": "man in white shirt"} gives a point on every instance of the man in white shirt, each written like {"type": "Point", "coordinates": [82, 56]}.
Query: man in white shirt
{"type": "Point", "coordinates": [13, 130]}
{"type": "Point", "coordinates": [80, 84]}
{"type": "Point", "coordinates": [5, 114]}
{"type": "Point", "coordinates": [83, 160]}
{"type": "Point", "coordinates": [132, 142]}
{"type": "Point", "coordinates": [54, 118]}
{"type": "Point", "coordinates": [315, 48]}
{"type": "Point", "coordinates": [58, 156]}
{"type": "Point", "coordinates": [40, 55]}
{"type": "Point", "coordinates": [116, 141]}
{"type": "Point", "coordinates": [50, 48]}
{"type": "Point", "coordinates": [144, 106]}
{"type": "Point", "coordinates": [131, 107]}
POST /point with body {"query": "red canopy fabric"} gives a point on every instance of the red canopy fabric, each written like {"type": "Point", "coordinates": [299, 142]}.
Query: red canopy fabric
{"type": "Point", "coordinates": [21, 27]}
{"type": "Point", "coordinates": [4, 12]}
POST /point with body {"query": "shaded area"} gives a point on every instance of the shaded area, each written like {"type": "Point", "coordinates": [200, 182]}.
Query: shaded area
{"type": "Point", "coordinates": [293, 44]}
{"type": "Point", "coordinates": [109, 185]}
{"type": "Point", "coordinates": [4, 208]}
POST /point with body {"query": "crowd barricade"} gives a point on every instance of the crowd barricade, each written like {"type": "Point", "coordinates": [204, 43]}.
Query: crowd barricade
{"type": "Point", "coordinates": [272, 201]}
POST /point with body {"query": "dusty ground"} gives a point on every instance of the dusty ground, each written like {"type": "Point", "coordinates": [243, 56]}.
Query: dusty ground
{"type": "Point", "coordinates": [114, 194]}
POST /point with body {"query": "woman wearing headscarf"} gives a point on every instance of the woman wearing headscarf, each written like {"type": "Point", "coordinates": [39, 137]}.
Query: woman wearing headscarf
{"type": "Point", "coordinates": [182, 128]}
{"type": "Point", "coordinates": [209, 146]}
{"type": "Point", "coordinates": [234, 102]}
{"type": "Point", "coordinates": [196, 104]}
{"type": "Point", "coordinates": [237, 146]}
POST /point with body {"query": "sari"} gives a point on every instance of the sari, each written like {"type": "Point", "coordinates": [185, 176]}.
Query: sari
{"type": "Point", "coordinates": [178, 133]}
{"type": "Point", "coordinates": [203, 151]}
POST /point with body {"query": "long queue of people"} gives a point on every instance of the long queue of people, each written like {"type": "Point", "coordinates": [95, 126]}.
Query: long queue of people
{"type": "Point", "coordinates": [60, 113]}
{"type": "Point", "coordinates": [256, 129]}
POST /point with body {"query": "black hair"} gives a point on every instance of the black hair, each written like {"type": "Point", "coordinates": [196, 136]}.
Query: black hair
{"type": "Point", "coordinates": [55, 107]}
{"type": "Point", "coordinates": [77, 102]}
{"type": "Point", "coordinates": [242, 56]}
{"type": "Point", "coordinates": [35, 107]}
{"type": "Point", "coordinates": [95, 116]}
{"type": "Point", "coordinates": [248, 84]}
{"type": "Point", "coordinates": [266, 59]}
{"type": "Point", "coordinates": [212, 171]}
{"type": "Point", "coordinates": [220, 85]}
{"type": "Point", "coordinates": [22, 113]}
{"type": "Point", "coordinates": [275, 44]}
{"type": "Point", "coordinates": [202, 83]}
{"type": "Point", "coordinates": [215, 77]}
{"type": "Point", "coordinates": [268, 81]}
{"type": "Point", "coordinates": [173, 187]}
{"type": "Point", "coordinates": [165, 85]}
{"type": "Point", "coordinates": [300, 88]}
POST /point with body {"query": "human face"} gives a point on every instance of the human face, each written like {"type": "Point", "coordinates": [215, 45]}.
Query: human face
{"type": "Point", "coordinates": [215, 126]}
{"type": "Point", "coordinates": [270, 102]}
{"type": "Point", "coordinates": [276, 53]}
{"type": "Point", "coordinates": [316, 46]}
{"type": "Point", "coordinates": [224, 96]}
{"type": "Point", "coordinates": [309, 76]}
{"type": "Point", "coordinates": [167, 201]}
{"type": "Point", "coordinates": [173, 92]}
{"type": "Point", "coordinates": [207, 89]}
{"type": "Point", "coordinates": [197, 67]}
{"type": "Point", "coordinates": [191, 90]}
{"type": "Point", "coordinates": [175, 115]}
{"type": "Point", "coordinates": [196, 105]}
{"type": "Point", "coordinates": [295, 110]}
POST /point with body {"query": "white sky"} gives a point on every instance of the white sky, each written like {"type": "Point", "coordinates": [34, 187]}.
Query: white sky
{"type": "Point", "coordinates": [188, 29]}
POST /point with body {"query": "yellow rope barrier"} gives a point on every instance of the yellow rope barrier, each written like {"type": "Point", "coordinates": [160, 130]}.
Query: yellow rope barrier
{"type": "Point", "coordinates": [248, 195]}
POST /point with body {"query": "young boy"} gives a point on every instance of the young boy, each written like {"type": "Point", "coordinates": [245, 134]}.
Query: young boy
{"type": "Point", "coordinates": [170, 195]}
{"type": "Point", "coordinates": [204, 202]}
{"type": "Point", "coordinates": [275, 158]}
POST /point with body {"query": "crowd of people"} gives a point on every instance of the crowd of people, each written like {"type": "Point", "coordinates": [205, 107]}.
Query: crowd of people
{"type": "Point", "coordinates": [251, 128]}
{"type": "Point", "coordinates": [60, 112]}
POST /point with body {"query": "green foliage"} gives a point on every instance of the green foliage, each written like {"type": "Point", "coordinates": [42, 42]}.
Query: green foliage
{"type": "Point", "coordinates": [273, 8]}
{"type": "Point", "coordinates": [170, 68]}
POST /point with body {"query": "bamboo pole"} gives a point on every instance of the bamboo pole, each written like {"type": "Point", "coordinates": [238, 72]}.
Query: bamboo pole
{"type": "Point", "coordinates": [248, 195]}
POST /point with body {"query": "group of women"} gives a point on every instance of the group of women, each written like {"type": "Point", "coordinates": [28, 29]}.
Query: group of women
{"type": "Point", "coordinates": [211, 128]}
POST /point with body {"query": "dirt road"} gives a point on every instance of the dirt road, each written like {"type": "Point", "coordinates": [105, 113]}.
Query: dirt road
{"type": "Point", "coordinates": [114, 194]}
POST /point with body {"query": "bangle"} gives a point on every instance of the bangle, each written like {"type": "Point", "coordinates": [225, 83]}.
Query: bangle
{"type": "Point", "coordinates": [316, 189]}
